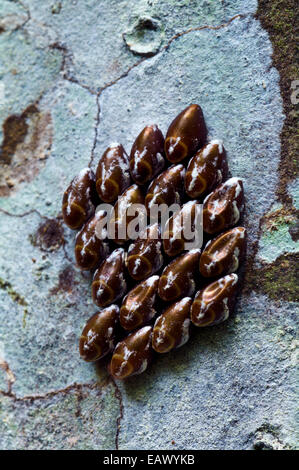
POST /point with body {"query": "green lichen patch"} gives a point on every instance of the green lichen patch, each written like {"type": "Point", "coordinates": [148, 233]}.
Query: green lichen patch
{"type": "Point", "coordinates": [279, 216]}
{"type": "Point", "coordinates": [277, 242]}
{"type": "Point", "coordinates": [278, 280]}
{"type": "Point", "coordinates": [279, 233]}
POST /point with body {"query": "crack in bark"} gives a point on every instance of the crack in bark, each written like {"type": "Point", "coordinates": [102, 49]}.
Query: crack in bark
{"type": "Point", "coordinates": [27, 10]}
{"type": "Point", "coordinates": [118, 396]}
{"type": "Point", "coordinates": [66, 254]}
{"type": "Point", "coordinates": [66, 55]}
{"type": "Point", "coordinates": [96, 130]}
{"type": "Point", "coordinates": [167, 45]}
{"type": "Point", "coordinates": [78, 388]}
{"type": "Point", "coordinates": [160, 51]}
{"type": "Point", "coordinates": [24, 214]}
{"type": "Point", "coordinates": [200, 28]}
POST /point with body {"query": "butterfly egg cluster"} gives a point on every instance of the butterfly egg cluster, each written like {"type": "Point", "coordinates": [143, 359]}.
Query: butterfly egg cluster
{"type": "Point", "coordinates": [152, 289]}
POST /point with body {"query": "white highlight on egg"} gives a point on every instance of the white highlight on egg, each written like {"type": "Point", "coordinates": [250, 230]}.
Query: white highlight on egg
{"type": "Point", "coordinates": [173, 145]}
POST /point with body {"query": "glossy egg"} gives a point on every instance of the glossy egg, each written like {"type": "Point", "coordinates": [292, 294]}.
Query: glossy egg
{"type": "Point", "coordinates": [79, 199]}
{"type": "Point", "coordinates": [223, 207]}
{"type": "Point", "coordinates": [132, 355]}
{"type": "Point", "coordinates": [172, 328]}
{"type": "Point", "coordinates": [89, 249]}
{"type": "Point", "coordinates": [145, 254]}
{"type": "Point", "coordinates": [179, 277]}
{"type": "Point", "coordinates": [213, 304]}
{"type": "Point", "coordinates": [98, 336]}
{"type": "Point", "coordinates": [138, 307]}
{"type": "Point", "coordinates": [109, 282]}
{"type": "Point", "coordinates": [179, 228]}
{"type": "Point", "coordinates": [146, 158]}
{"type": "Point", "coordinates": [121, 218]}
{"type": "Point", "coordinates": [224, 253]}
{"type": "Point", "coordinates": [112, 175]}
{"type": "Point", "coordinates": [206, 169]}
{"type": "Point", "coordinates": [186, 134]}
{"type": "Point", "coordinates": [167, 188]}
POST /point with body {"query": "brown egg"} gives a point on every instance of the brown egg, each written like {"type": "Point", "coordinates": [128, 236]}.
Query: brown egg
{"type": "Point", "coordinates": [146, 159]}
{"type": "Point", "coordinates": [109, 282]}
{"type": "Point", "coordinates": [214, 303]}
{"type": "Point", "coordinates": [175, 239]}
{"type": "Point", "coordinates": [178, 278]}
{"type": "Point", "coordinates": [138, 306]}
{"type": "Point", "coordinates": [145, 255]}
{"type": "Point", "coordinates": [113, 175]}
{"type": "Point", "coordinates": [167, 188]}
{"type": "Point", "coordinates": [224, 253]}
{"type": "Point", "coordinates": [206, 169]}
{"type": "Point", "coordinates": [120, 218]}
{"type": "Point", "coordinates": [172, 328]}
{"type": "Point", "coordinates": [186, 134]}
{"type": "Point", "coordinates": [79, 199]}
{"type": "Point", "coordinates": [222, 208]}
{"type": "Point", "coordinates": [98, 335]}
{"type": "Point", "coordinates": [132, 355]}
{"type": "Point", "coordinates": [89, 249]}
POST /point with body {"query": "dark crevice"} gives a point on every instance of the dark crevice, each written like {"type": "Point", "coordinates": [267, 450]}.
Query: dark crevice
{"type": "Point", "coordinates": [118, 396]}
{"type": "Point", "coordinates": [30, 398]}
{"type": "Point", "coordinates": [167, 45]}
{"type": "Point", "coordinates": [67, 58]}
{"type": "Point", "coordinates": [24, 214]}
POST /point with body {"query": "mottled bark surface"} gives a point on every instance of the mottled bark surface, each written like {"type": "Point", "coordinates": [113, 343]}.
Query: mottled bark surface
{"type": "Point", "coordinates": [74, 77]}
